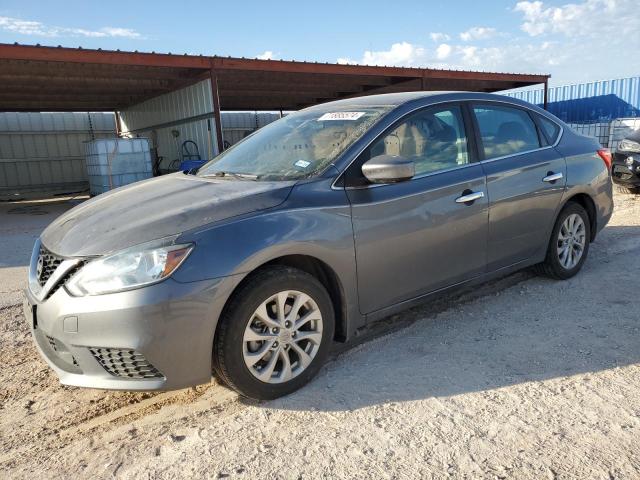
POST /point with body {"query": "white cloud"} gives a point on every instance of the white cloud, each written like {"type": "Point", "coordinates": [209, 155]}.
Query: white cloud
{"type": "Point", "coordinates": [469, 55]}
{"type": "Point", "coordinates": [444, 56]}
{"type": "Point", "coordinates": [267, 55]}
{"type": "Point", "coordinates": [120, 32]}
{"type": "Point", "coordinates": [477, 33]}
{"type": "Point", "coordinates": [400, 54]}
{"type": "Point", "coordinates": [443, 51]}
{"type": "Point", "coordinates": [439, 37]}
{"type": "Point", "coordinates": [583, 41]}
{"type": "Point", "coordinates": [578, 19]}
{"type": "Point", "coordinates": [30, 27]}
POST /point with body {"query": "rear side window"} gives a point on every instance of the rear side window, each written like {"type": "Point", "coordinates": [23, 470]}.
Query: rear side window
{"type": "Point", "coordinates": [550, 129]}
{"type": "Point", "coordinates": [505, 130]}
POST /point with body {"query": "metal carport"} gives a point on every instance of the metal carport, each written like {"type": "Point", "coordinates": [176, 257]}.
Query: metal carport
{"type": "Point", "coordinates": [39, 78]}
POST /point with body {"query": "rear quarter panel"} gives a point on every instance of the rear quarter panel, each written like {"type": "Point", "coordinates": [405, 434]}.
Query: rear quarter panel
{"type": "Point", "coordinates": [587, 173]}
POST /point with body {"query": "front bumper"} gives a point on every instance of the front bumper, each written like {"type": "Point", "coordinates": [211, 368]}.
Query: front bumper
{"type": "Point", "coordinates": [157, 337]}
{"type": "Point", "coordinates": [623, 174]}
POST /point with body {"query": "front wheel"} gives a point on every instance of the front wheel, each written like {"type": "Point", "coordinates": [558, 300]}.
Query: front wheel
{"type": "Point", "coordinates": [275, 333]}
{"type": "Point", "coordinates": [569, 244]}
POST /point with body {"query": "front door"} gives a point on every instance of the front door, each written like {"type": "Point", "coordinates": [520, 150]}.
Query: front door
{"type": "Point", "coordinates": [418, 236]}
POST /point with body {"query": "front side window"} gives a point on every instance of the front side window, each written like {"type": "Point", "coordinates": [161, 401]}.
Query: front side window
{"type": "Point", "coordinates": [433, 138]}
{"type": "Point", "coordinates": [297, 146]}
{"type": "Point", "coordinates": [505, 130]}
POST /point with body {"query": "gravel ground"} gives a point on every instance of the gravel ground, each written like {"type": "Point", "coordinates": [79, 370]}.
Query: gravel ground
{"type": "Point", "coordinates": [522, 378]}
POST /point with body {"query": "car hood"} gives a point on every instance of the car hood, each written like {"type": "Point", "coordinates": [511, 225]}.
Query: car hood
{"type": "Point", "coordinates": [156, 208]}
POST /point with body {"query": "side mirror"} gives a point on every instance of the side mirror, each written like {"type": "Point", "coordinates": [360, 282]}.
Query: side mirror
{"type": "Point", "coordinates": [388, 169]}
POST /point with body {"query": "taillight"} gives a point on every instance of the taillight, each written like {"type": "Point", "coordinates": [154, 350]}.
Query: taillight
{"type": "Point", "coordinates": [605, 155]}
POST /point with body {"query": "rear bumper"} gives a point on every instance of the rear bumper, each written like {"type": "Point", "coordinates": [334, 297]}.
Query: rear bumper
{"type": "Point", "coordinates": [158, 337]}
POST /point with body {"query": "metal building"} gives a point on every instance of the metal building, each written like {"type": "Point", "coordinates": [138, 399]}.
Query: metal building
{"type": "Point", "coordinates": [45, 150]}
{"type": "Point", "coordinates": [170, 120]}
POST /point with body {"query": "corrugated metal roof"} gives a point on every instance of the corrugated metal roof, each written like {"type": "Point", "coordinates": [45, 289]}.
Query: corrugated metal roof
{"type": "Point", "coordinates": [57, 79]}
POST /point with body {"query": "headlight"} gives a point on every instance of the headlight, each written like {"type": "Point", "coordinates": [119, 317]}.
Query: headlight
{"type": "Point", "coordinates": [628, 146]}
{"type": "Point", "coordinates": [131, 268]}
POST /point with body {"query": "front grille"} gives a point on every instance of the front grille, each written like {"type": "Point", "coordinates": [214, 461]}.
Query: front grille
{"type": "Point", "coordinates": [125, 363]}
{"type": "Point", "coordinates": [64, 279]}
{"type": "Point", "coordinates": [49, 264]}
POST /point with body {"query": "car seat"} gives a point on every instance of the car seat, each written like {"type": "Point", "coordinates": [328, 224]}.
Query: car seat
{"type": "Point", "coordinates": [510, 131]}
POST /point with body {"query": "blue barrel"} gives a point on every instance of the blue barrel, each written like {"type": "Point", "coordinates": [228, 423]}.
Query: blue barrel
{"type": "Point", "coordinates": [188, 165]}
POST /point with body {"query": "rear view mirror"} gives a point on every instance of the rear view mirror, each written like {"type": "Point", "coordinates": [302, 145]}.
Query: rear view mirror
{"type": "Point", "coordinates": [388, 169]}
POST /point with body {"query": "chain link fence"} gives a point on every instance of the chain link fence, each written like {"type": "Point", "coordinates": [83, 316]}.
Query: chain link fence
{"type": "Point", "coordinates": [608, 134]}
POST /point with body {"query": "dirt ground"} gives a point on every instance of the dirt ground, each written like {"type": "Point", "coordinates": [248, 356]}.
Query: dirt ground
{"type": "Point", "coordinates": [522, 378]}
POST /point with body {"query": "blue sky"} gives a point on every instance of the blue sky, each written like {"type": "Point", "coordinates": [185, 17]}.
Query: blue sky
{"type": "Point", "coordinates": [580, 41]}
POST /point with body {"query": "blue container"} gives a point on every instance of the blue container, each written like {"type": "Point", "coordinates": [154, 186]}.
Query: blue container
{"type": "Point", "coordinates": [600, 101]}
{"type": "Point", "coordinates": [188, 165]}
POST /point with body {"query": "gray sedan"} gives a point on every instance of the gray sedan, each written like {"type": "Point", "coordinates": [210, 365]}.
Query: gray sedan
{"type": "Point", "coordinates": [305, 232]}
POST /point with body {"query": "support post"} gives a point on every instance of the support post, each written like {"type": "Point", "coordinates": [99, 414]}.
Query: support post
{"type": "Point", "coordinates": [216, 109]}
{"type": "Point", "coordinates": [546, 93]}
{"type": "Point", "coordinates": [118, 124]}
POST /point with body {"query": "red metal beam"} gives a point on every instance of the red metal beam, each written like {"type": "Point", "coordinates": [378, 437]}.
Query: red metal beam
{"type": "Point", "coordinates": [215, 96]}
{"type": "Point", "coordinates": [115, 79]}
{"type": "Point", "coordinates": [80, 81]}
{"type": "Point", "coordinates": [109, 57]}
{"type": "Point", "coordinates": [497, 77]}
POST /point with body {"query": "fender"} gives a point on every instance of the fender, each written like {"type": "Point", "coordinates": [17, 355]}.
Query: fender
{"type": "Point", "coordinates": [239, 246]}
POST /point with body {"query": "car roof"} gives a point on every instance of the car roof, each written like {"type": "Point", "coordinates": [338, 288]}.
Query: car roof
{"type": "Point", "coordinates": [398, 99]}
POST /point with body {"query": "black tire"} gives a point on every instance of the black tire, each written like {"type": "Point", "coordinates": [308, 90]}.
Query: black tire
{"type": "Point", "coordinates": [228, 361]}
{"type": "Point", "coordinates": [551, 267]}
{"type": "Point", "coordinates": [631, 190]}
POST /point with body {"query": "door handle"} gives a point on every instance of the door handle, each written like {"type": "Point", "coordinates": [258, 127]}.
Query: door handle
{"type": "Point", "coordinates": [552, 177]}
{"type": "Point", "coordinates": [470, 197]}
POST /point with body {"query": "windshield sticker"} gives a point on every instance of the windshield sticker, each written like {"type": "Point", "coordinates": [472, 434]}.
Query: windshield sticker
{"type": "Point", "coordinates": [341, 116]}
{"type": "Point", "coordinates": [302, 163]}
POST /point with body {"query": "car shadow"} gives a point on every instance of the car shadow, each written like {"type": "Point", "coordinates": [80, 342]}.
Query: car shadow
{"type": "Point", "coordinates": [519, 329]}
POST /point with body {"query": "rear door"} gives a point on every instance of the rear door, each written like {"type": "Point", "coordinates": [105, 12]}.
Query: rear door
{"type": "Point", "coordinates": [416, 236]}
{"type": "Point", "coordinates": [525, 181]}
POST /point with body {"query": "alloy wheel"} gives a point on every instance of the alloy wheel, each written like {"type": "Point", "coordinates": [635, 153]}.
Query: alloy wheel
{"type": "Point", "coordinates": [571, 242]}
{"type": "Point", "coordinates": [282, 337]}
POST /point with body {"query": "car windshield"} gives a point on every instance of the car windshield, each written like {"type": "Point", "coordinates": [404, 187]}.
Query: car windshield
{"type": "Point", "coordinates": [297, 146]}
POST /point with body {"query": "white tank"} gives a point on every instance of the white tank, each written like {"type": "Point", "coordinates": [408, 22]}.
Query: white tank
{"type": "Point", "coordinates": [114, 162]}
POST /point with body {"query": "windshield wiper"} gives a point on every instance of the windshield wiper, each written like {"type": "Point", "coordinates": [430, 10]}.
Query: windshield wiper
{"type": "Point", "coordinates": [241, 176]}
